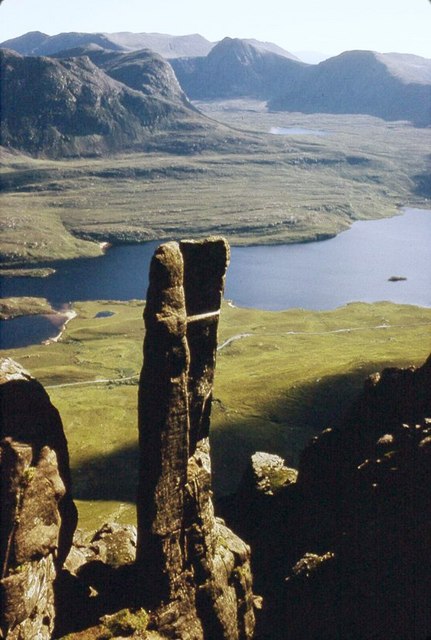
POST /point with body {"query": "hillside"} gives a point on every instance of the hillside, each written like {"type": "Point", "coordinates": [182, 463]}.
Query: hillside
{"type": "Point", "coordinates": [71, 107]}
{"type": "Point", "coordinates": [271, 47]}
{"type": "Point", "coordinates": [390, 86]}
{"type": "Point", "coordinates": [236, 68]}
{"type": "Point", "coordinates": [142, 70]}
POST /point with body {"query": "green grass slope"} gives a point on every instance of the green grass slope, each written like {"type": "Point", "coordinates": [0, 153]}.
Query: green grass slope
{"type": "Point", "coordinates": [282, 377]}
{"type": "Point", "coordinates": [268, 189]}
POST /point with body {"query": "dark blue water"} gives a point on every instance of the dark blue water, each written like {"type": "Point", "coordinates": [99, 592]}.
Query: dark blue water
{"type": "Point", "coordinates": [354, 266]}
{"type": "Point", "coordinates": [120, 274]}
{"type": "Point", "coordinates": [23, 331]}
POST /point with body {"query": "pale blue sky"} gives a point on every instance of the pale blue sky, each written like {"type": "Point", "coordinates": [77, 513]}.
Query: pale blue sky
{"type": "Point", "coordinates": [329, 26]}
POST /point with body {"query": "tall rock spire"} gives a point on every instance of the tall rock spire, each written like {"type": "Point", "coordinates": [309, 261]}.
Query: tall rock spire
{"type": "Point", "coordinates": [185, 555]}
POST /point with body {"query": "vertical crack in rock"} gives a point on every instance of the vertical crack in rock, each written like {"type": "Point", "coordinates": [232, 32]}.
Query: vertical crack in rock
{"type": "Point", "coordinates": [185, 556]}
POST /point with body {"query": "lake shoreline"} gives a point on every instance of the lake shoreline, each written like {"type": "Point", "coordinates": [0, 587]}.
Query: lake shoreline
{"type": "Point", "coordinates": [68, 316]}
{"type": "Point", "coordinates": [358, 265]}
{"type": "Point", "coordinates": [44, 268]}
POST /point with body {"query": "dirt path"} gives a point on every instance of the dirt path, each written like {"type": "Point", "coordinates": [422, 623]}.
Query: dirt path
{"type": "Point", "coordinates": [241, 336]}
{"type": "Point", "coordinates": [87, 382]}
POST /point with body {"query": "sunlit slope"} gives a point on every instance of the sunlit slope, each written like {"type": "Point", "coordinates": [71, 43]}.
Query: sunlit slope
{"type": "Point", "coordinates": [281, 377]}
{"type": "Point", "coordinates": [267, 190]}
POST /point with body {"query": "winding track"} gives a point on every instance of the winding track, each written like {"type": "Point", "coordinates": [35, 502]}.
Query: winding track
{"type": "Point", "coordinates": [240, 336]}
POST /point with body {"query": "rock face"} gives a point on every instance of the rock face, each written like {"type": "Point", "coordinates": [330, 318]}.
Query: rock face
{"type": "Point", "coordinates": [190, 570]}
{"type": "Point", "coordinates": [344, 551]}
{"type": "Point", "coordinates": [185, 556]}
{"type": "Point", "coordinates": [38, 516]}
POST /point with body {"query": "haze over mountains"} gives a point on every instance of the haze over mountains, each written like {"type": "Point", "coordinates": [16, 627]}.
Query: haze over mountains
{"type": "Point", "coordinates": [40, 44]}
{"type": "Point", "coordinates": [105, 92]}
{"type": "Point", "coordinates": [392, 86]}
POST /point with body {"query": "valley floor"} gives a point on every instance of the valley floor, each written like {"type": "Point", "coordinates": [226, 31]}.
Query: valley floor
{"type": "Point", "coordinates": [273, 189]}
{"type": "Point", "coordinates": [281, 377]}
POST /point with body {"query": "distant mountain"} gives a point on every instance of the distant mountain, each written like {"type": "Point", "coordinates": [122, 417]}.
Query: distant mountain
{"type": "Point", "coordinates": [40, 44]}
{"type": "Point", "coordinates": [236, 68]}
{"type": "Point", "coordinates": [71, 107]}
{"type": "Point", "coordinates": [165, 45]}
{"type": "Point", "coordinates": [391, 86]}
{"type": "Point", "coordinates": [27, 43]}
{"type": "Point", "coordinates": [36, 43]}
{"type": "Point", "coordinates": [273, 48]}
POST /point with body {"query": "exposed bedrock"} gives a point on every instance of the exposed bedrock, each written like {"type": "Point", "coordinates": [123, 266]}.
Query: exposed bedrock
{"type": "Point", "coordinates": [344, 551]}
{"type": "Point", "coordinates": [185, 556]}
{"type": "Point", "coordinates": [38, 517]}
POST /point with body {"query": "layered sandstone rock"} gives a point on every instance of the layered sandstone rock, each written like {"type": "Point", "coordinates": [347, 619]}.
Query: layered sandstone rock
{"type": "Point", "coordinates": [38, 516]}
{"type": "Point", "coordinates": [185, 557]}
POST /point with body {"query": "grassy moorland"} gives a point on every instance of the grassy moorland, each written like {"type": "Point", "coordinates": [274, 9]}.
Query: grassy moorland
{"type": "Point", "coordinates": [271, 189]}
{"type": "Point", "coordinates": [19, 306]}
{"type": "Point", "coordinates": [282, 377]}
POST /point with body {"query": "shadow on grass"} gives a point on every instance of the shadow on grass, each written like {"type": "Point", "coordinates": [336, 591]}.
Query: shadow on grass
{"type": "Point", "coordinates": [286, 425]}
{"type": "Point", "coordinates": [283, 427]}
{"type": "Point", "coordinates": [111, 477]}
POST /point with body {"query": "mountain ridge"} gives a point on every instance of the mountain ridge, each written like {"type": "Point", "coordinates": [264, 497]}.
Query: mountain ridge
{"type": "Point", "coordinates": [168, 46]}
{"type": "Point", "coordinates": [389, 86]}
{"type": "Point", "coordinates": [234, 68]}
{"type": "Point", "coordinates": [68, 107]}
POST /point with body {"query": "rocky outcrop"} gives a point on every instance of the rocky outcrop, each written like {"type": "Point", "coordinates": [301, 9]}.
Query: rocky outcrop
{"type": "Point", "coordinates": [38, 516]}
{"type": "Point", "coordinates": [390, 399]}
{"type": "Point", "coordinates": [183, 563]}
{"type": "Point", "coordinates": [185, 556]}
{"type": "Point", "coordinates": [344, 551]}
{"type": "Point", "coordinates": [267, 474]}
